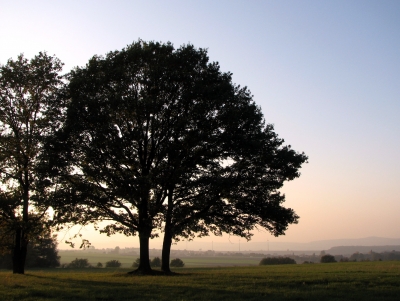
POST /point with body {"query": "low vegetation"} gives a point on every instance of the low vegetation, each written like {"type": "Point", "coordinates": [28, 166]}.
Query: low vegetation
{"type": "Point", "coordinates": [156, 262]}
{"type": "Point", "coordinates": [327, 258]}
{"type": "Point", "coordinates": [78, 263]}
{"type": "Point", "coordinates": [277, 260]}
{"type": "Point", "coordinates": [177, 263]}
{"type": "Point", "coordinates": [113, 264]}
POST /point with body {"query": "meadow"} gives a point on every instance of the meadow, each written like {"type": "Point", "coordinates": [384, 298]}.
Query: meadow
{"type": "Point", "coordinates": [191, 261]}
{"type": "Point", "coordinates": [334, 281]}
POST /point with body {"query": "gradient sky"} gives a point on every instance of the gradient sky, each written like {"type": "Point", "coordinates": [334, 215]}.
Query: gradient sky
{"type": "Point", "coordinates": [325, 73]}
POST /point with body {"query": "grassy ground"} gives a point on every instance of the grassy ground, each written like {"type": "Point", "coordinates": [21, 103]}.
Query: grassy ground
{"type": "Point", "coordinates": [336, 281]}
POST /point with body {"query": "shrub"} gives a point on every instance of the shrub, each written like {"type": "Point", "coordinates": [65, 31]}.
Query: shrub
{"type": "Point", "coordinates": [327, 259]}
{"type": "Point", "coordinates": [177, 263]}
{"type": "Point", "coordinates": [136, 263]}
{"type": "Point", "coordinates": [99, 265]}
{"type": "Point", "coordinates": [79, 263]}
{"type": "Point", "coordinates": [156, 262]}
{"type": "Point", "coordinates": [277, 260]}
{"type": "Point", "coordinates": [113, 264]}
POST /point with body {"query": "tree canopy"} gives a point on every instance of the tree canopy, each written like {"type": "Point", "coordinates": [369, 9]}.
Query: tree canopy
{"type": "Point", "coordinates": [29, 111]}
{"type": "Point", "coordinates": [160, 138]}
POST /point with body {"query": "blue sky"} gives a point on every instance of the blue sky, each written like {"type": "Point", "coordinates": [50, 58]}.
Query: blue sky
{"type": "Point", "coordinates": [325, 73]}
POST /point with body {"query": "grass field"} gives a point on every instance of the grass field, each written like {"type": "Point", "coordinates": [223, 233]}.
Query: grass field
{"type": "Point", "coordinates": [336, 281]}
{"type": "Point", "coordinates": [126, 261]}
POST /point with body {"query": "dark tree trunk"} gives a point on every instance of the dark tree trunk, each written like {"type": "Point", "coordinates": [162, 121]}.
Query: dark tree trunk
{"type": "Point", "coordinates": [144, 266]}
{"type": "Point", "coordinates": [21, 239]}
{"type": "Point", "coordinates": [144, 236]}
{"type": "Point", "coordinates": [166, 252]}
{"type": "Point", "coordinates": [19, 252]}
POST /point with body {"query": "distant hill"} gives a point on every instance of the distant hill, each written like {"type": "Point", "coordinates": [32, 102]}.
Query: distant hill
{"type": "Point", "coordinates": [348, 250]}
{"type": "Point", "coordinates": [367, 241]}
{"type": "Point", "coordinates": [333, 246]}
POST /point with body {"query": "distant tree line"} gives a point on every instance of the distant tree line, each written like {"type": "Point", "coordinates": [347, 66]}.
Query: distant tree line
{"type": "Point", "coordinates": [327, 258]}
{"type": "Point", "coordinates": [374, 256]}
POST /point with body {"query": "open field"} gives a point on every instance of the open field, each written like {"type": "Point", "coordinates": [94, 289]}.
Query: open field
{"type": "Point", "coordinates": [190, 262]}
{"type": "Point", "coordinates": [336, 281]}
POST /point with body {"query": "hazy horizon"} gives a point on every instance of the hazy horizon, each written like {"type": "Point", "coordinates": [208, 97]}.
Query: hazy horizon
{"type": "Point", "coordinates": [266, 246]}
{"type": "Point", "coordinates": [325, 73]}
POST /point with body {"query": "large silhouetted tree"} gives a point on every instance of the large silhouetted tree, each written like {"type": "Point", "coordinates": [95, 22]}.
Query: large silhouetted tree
{"type": "Point", "coordinates": [155, 138]}
{"type": "Point", "coordinates": [29, 110]}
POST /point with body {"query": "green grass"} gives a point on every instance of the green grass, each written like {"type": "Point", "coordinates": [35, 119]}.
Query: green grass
{"type": "Point", "coordinates": [335, 281]}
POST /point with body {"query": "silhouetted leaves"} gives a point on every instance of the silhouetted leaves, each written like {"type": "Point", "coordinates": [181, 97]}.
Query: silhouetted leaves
{"type": "Point", "coordinates": [30, 109]}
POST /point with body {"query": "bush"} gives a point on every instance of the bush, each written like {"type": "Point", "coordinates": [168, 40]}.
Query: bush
{"type": "Point", "coordinates": [113, 264]}
{"type": "Point", "coordinates": [156, 262]}
{"type": "Point", "coordinates": [79, 263]}
{"type": "Point", "coordinates": [327, 259]}
{"type": "Point", "coordinates": [177, 263]}
{"type": "Point", "coordinates": [277, 260]}
{"type": "Point", "coordinates": [99, 265]}
{"type": "Point", "coordinates": [136, 263]}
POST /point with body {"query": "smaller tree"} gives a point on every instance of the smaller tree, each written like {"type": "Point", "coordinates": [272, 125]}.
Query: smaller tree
{"type": "Point", "coordinates": [327, 258]}
{"type": "Point", "coordinates": [156, 262]}
{"type": "Point", "coordinates": [177, 263]}
{"type": "Point", "coordinates": [30, 109]}
{"type": "Point", "coordinates": [42, 252]}
{"type": "Point", "coordinates": [99, 265]}
{"type": "Point", "coordinates": [113, 264]}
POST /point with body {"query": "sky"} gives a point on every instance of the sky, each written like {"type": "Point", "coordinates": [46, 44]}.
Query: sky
{"type": "Point", "coordinates": [325, 73]}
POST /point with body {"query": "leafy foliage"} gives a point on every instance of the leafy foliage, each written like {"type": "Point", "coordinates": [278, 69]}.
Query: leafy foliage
{"type": "Point", "coordinates": [177, 263]}
{"type": "Point", "coordinates": [113, 264]}
{"type": "Point", "coordinates": [41, 252]}
{"type": "Point", "coordinates": [277, 260]}
{"type": "Point", "coordinates": [136, 263]}
{"type": "Point", "coordinates": [29, 111]}
{"type": "Point", "coordinates": [155, 262]}
{"type": "Point", "coordinates": [327, 258]}
{"type": "Point", "coordinates": [160, 138]}
{"type": "Point", "coordinates": [79, 263]}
